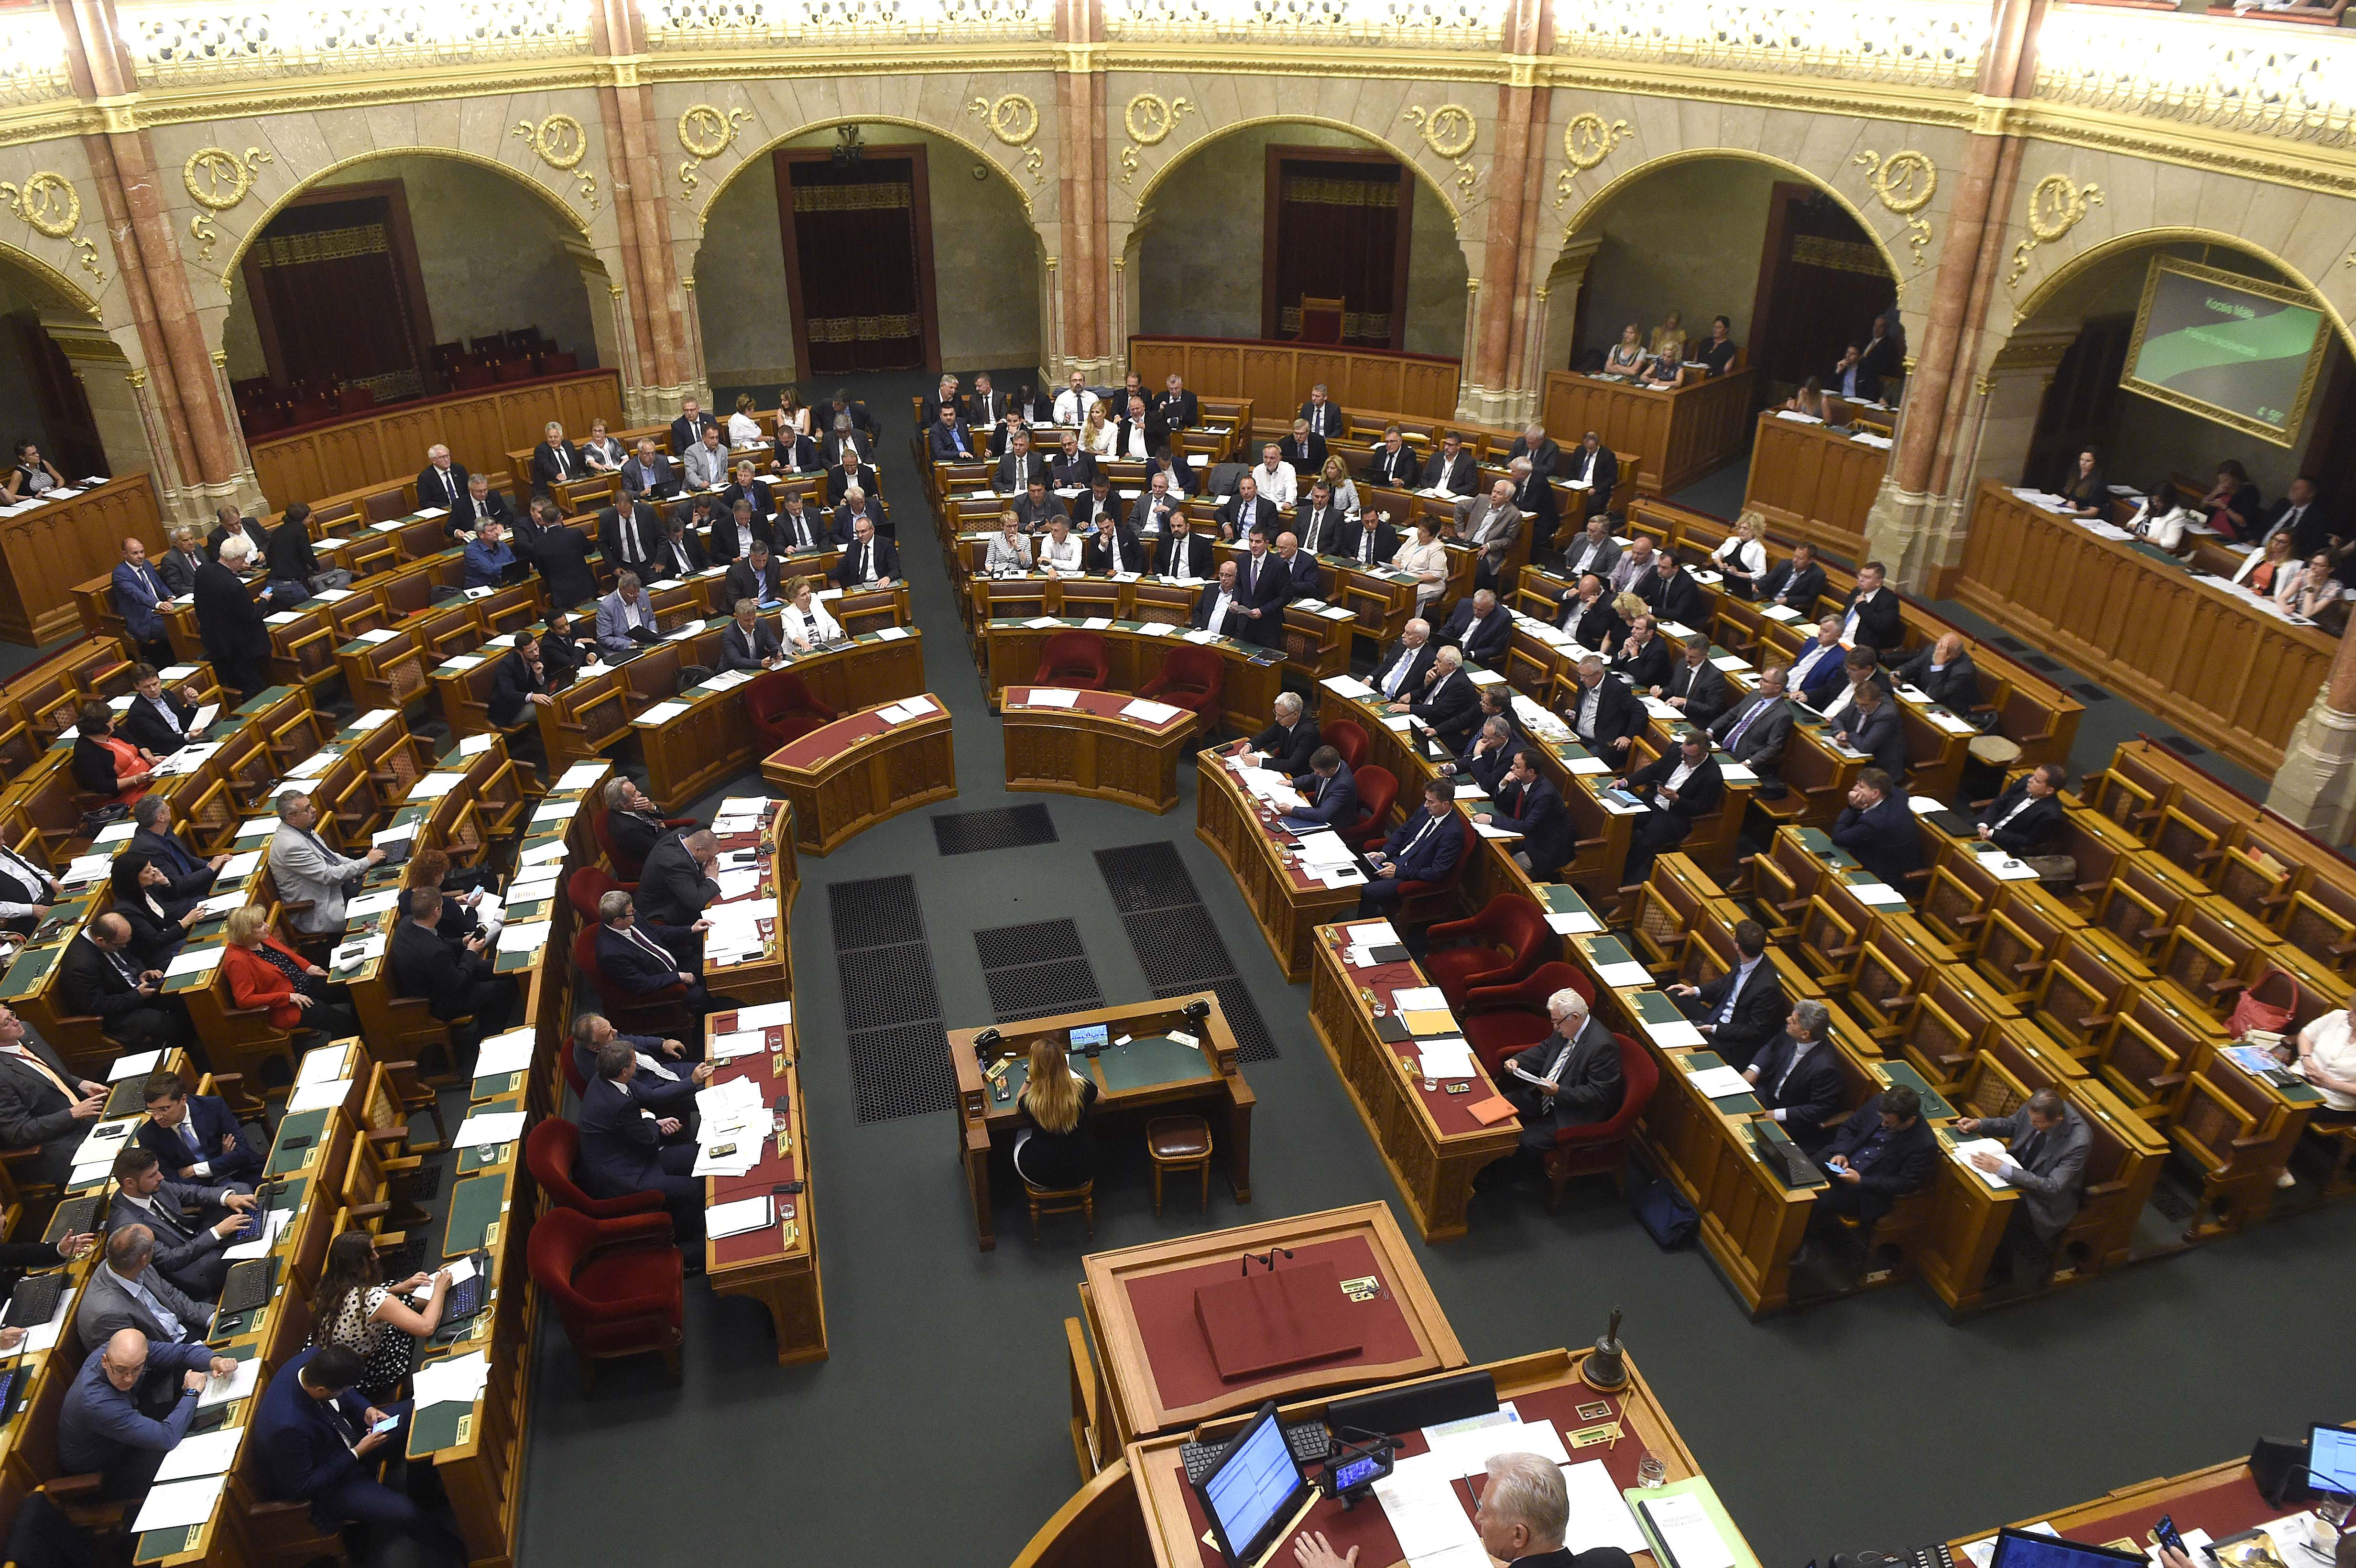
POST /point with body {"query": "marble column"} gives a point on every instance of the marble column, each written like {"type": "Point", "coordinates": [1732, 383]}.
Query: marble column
{"type": "Point", "coordinates": [2316, 786]}
{"type": "Point", "coordinates": [1080, 339]}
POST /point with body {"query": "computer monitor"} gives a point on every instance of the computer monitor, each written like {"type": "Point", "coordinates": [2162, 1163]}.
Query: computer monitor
{"type": "Point", "coordinates": [1252, 1493]}
{"type": "Point", "coordinates": [2331, 1459]}
{"type": "Point", "coordinates": [1089, 1039]}
{"type": "Point", "coordinates": [2034, 1549]}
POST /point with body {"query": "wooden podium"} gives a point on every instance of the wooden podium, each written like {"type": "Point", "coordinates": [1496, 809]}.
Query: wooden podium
{"type": "Point", "coordinates": [852, 773]}
{"type": "Point", "coordinates": [1094, 748]}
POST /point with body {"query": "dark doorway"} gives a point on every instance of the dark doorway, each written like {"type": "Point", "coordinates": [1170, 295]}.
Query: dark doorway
{"type": "Point", "coordinates": [1821, 283]}
{"type": "Point", "coordinates": [69, 435]}
{"type": "Point", "coordinates": [1338, 227]}
{"type": "Point", "coordinates": [2080, 402]}
{"type": "Point", "coordinates": [337, 297]}
{"type": "Point", "coordinates": [859, 260]}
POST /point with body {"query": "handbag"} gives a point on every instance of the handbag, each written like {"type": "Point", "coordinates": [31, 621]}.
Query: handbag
{"type": "Point", "coordinates": [2250, 1013]}
{"type": "Point", "coordinates": [1666, 1217]}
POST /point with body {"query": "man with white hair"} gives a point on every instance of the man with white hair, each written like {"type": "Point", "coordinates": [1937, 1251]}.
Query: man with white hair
{"type": "Point", "coordinates": [236, 637]}
{"type": "Point", "coordinates": [305, 871]}
{"type": "Point", "coordinates": [1287, 743]}
{"type": "Point", "coordinates": [441, 482]}
{"type": "Point", "coordinates": [1567, 1079]}
{"type": "Point", "coordinates": [1523, 1511]}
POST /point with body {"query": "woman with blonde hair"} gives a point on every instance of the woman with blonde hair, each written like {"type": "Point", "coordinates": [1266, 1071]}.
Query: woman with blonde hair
{"type": "Point", "coordinates": [1427, 557]}
{"type": "Point", "coordinates": [1336, 475]}
{"type": "Point", "coordinates": [1627, 355]}
{"type": "Point", "coordinates": [264, 972]}
{"type": "Point", "coordinates": [743, 430]}
{"type": "Point", "coordinates": [1098, 437]}
{"type": "Point", "coordinates": [805, 620]}
{"type": "Point", "coordinates": [1669, 339]}
{"type": "Point", "coordinates": [1055, 1150]}
{"type": "Point", "coordinates": [1743, 560]}
{"type": "Point", "coordinates": [1628, 605]}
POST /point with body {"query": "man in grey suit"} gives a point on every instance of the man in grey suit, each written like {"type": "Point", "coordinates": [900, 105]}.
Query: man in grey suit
{"type": "Point", "coordinates": [1491, 526]}
{"type": "Point", "coordinates": [2050, 1142]}
{"type": "Point", "coordinates": [124, 1292]}
{"type": "Point", "coordinates": [626, 617]}
{"type": "Point", "coordinates": [42, 1104]}
{"type": "Point", "coordinates": [188, 1246]}
{"type": "Point", "coordinates": [1754, 730]}
{"type": "Point", "coordinates": [304, 870]}
{"type": "Point", "coordinates": [1593, 550]}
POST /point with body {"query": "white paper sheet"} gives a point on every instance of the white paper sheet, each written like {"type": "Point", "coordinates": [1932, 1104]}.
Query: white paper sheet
{"type": "Point", "coordinates": [504, 1053]}
{"type": "Point", "coordinates": [1963, 1150]}
{"type": "Point", "coordinates": [194, 960]}
{"type": "Point", "coordinates": [1718, 1082]}
{"type": "Point", "coordinates": [178, 1504]}
{"type": "Point", "coordinates": [580, 776]}
{"type": "Point", "coordinates": [1599, 1514]}
{"type": "Point", "coordinates": [1051, 697]}
{"type": "Point", "coordinates": [319, 1096]}
{"type": "Point", "coordinates": [739, 1042]}
{"type": "Point", "coordinates": [241, 1380]}
{"type": "Point", "coordinates": [201, 1453]}
{"type": "Point", "coordinates": [1422, 1509]}
{"type": "Point", "coordinates": [529, 936]}
{"type": "Point", "coordinates": [134, 1065]}
{"type": "Point", "coordinates": [1673, 1034]}
{"type": "Point", "coordinates": [1688, 1533]}
{"type": "Point", "coordinates": [1418, 998]}
{"type": "Point", "coordinates": [768, 1014]}
{"type": "Point", "coordinates": [662, 712]}
{"type": "Point", "coordinates": [732, 1219]}
{"type": "Point", "coordinates": [1619, 975]}
{"type": "Point", "coordinates": [324, 1065]}
{"type": "Point", "coordinates": [1574, 924]}
{"type": "Point", "coordinates": [488, 1127]}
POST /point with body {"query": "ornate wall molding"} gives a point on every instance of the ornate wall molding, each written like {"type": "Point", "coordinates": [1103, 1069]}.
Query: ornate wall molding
{"type": "Point", "coordinates": [32, 57]}
{"type": "Point", "coordinates": [2296, 82]}
{"type": "Point", "coordinates": [1455, 25]}
{"type": "Point", "coordinates": [1450, 131]}
{"type": "Point", "coordinates": [2056, 206]}
{"type": "Point", "coordinates": [1930, 43]}
{"type": "Point", "coordinates": [194, 41]}
{"type": "Point", "coordinates": [560, 144]}
{"type": "Point", "coordinates": [1149, 120]}
{"type": "Point", "coordinates": [1904, 182]}
{"type": "Point", "coordinates": [690, 24]}
{"type": "Point", "coordinates": [706, 132]}
{"type": "Point", "coordinates": [1013, 119]}
{"type": "Point", "coordinates": [1587, 141]}
{"type": "Point", "coordinates": [50, 206]}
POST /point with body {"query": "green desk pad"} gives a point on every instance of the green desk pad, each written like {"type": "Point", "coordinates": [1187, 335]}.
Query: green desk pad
{"type": "Point", "coordinates": [1776, 1133]}
{"type": "Point", "coordinates": [1655, 1007]}
{"type": "Point", "coordinates": [509, 962]}
{"type": "Point", "coordinates": [1560, 900]}
{"type": "Point", "coordinates": [28, 969]}
{"type": "Point", "coordinates": [435, 1427]}
{"type": "Point", "coordinates": [1815, 841]}
{"type": "Point", "coordinates": [1605, 949]}
{"type": "Point", "coordinates": [475, 1203]}
{"type": "Point", "coordinates": [484, 1157]}
{"type": "Point", "coordinates": [1935, 1104]}
{"type": "Point", "coordinates": [497, 1087]}
{"type": "Point", "coordinates": [302, 1124]}
{"type": "Point", "coordinates": [1149, 1060]}
{"type": "Point", "coordinates": [267, 696]}
{"type": "Point", "coordinates": [174, 985]}
{"type": "Point", "coordinates": [1731, 1105]}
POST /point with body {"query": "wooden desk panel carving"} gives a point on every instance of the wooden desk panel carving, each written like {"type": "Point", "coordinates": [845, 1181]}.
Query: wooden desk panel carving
{"type": "Point", "coordinates": [1277, 376]}
{"type": "Point", "coordinates": [1680, 435]}
{"type": "Point", "coordinates": [50, 550]}
{"type": "Point", "coordinates": [1813, 483]}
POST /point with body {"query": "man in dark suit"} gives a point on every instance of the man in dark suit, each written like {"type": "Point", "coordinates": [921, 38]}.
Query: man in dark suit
{"type": "Point", "coordinates": [195, 1135]}
{"type": "Point", "coordinates": [1754, 730]}
{"type": "Point", "coordinates": [1570, 1079]}
{"type": "Point", "coordinates": [1536, 496]}
{"type": "Point", "coordinates": [628, 535]}
{"type": "Point", "coordinates": [736, 526]}
{"type": "Point", "coordinates": [688, 429]}
{"type": "Point", "coordinates": [987, 405]}
{"type": "Point", "coordinates": [1289, 742]}
{"type": "Point", "coordinates": [440, 482]}
{"type": "Point", "coordinates": [797, 528]}
{"type": "Point", "coordinates": [230, 622]}
{"type": "Point", "coordinates": [744, 484]}
{"type": "Point", "coordinates": [98, 979]}
{"type": "Point", "coordinates": [1368, 539]}
{"type": "Point", "coordinates": [1743, 1009]}
{"type": "Point", "coordinates": [1019, 466]}
{"type": "Point", "coordinates": [1306, 579]}
{"type": "Point", "coordinates": [1424, 848]}
{"type": "Point", "coordinates": [1884, 1151]}
{"type": "Point", "coordinates": [1263, 584]}
{"type": "Point", "coordinates": [43, 1105]}
{"type": "Point", "coordinates": [1304, 449]}
{"type": "Point", "coordinates": [1099, 507]}
{"type": "Point", "coordinates": [636, 1135]}
{"type": "Point", "coordinates": [1876, 827]}
{"type": "Point", "coordinates": [1069, 468]}
{"type": "Point", "coordinates": [1605, 714]}
{"type": "Point", "coordinates": [1598, 466]}
{"type": "Point", "coordinates": [138, 593]}
{"type": "Point", "coordinates": [315, 1440]}
{"type": "Point", "coordinates": [1322, 414]}
{"type": "Point", "coordinates": [1820, 669]}
{"type": "Point", "coordinates": [555, 460]}
{"type": "Point", "coordinates": [1037, 504]}
{"type": "Point", "coordinates": [518, 684]}
{"type": "Point", "coordinates": [482, 504]}
{"type": "Point", "coordinates": [1676, 596]}
{"type": "Point", "coordinates": [1182, 552]}
{"type": "Point", "coordinates": [1318, 523]}
{"type": "Point", "coordinates": [1589, 616]}
{"type": "Point", "coordinates": [229, 526]}
{"type": "Point", "coordinates": [1489, 526]}
{"type": "Point", "coordinates": [645, 959]}
{"type": "Point", "coordinates": [677, 883]}
{"type": "Point", "coordinates": [1872, 618]}
{"type": "Point", "coordinates": [1399, 675]}
{"type": "Point", "coordinates": [1177, 408]}
{"type": "Point", "coordinates": [1451, 468]}
{"type": "Point", "coordinates": [188, 875]}
{"type": "Point", "coordinates": [1329, 790]}
{"type": "Point", "coordinates": [1871, 725]}
{"type": "Point", "coordinates": [944, 395]}
{"type": "Point", "coordinates": [157, 719]}
{"type": "Point", "coordinates": [1529, 805]}
{"type": "Point", "coordinates": [1795, 1076]}
{"type": "Point", "coordinates": [1395, 465]}
{"type": "Point", "coordinates": [2046, 1163]}
{"type": "Point", "coordinates": [1448, 705]}
{"type": "Point", "coordinates": [1546, 457]}
{"type": "Point", "coordinates": [1797, 583]}
{"type": "Point", "coordinates": [744, 643]}
{"type": "Point", "coordinates": [1114, 547]}
{"type": "Point", "coordinates": [1248, 512]}
{"type": "Point", "coordinates": [455, 981]}
{"type": "Point", "coordinates": [1681, 787]}
{"type": "Point", "coordinates": [1697, 687]}
{"type": "Point", "coordinates": [949, 440]}
{"type": "Point", "coordinates": [757, 577]}
{"type": "Point", "coordinates": [1592, 550]}
{"type": "Point", "coordinates": [1487, 755]}
{"type": "Point", "coordinates": [2027, 815]}
{"type": "Point", "coordinates": [130, 1292]}
{"type": "Point", "coordinates": [1481, 627]}
{"type": "Point", "coordinates": [1852, 378]}
{"type": "Point", "coordinates": [650, 474]}
{"type": "Point", "coordinates": [681, 555]}
{"type": "Point", "coordinates": [187, 1244]}
{"type": "Point", "coordinates": [1943, 672]}
{"type": "Point", "coordinates": [2312, 530]}
{"type": "Point", "coordinates": [793, 452]}
{"type": "Point", "coordinates": [1219, 608]}
{"type": "Point", "coordinates": [840, 405]}
{"type": "Point", "coordinates": [633, 821]}
{"type": "Point", "coordinates": [560, 553]}
{"type": "Point", "coordinates": [867, 559]}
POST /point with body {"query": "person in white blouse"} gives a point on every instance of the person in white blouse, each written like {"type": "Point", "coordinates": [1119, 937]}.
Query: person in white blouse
{"type": "Point", "coordinates": [1010, 549]}
{"type": "Point", "coordinates": [1743, 559]}
{"type": "Point", "coordinates": [743, 430]}
{"type": "Point", "coordinates": [803, 620]}
{"type": "Point", "coordinates": [1059, 552]}
{"type": "Point", "coordinates": [1345, 493]}
{"type": "Point", "coordinates": [1427, 557]}
{"type": "Point", "coordinates": [1097, 435]}
{"type": "Point", "coordinates": [791, 412]}
{"type": "Point", "coordinates": [1073, 403]}
{"type": "Point", "coordinates": [1275, 478]}
{"type": "Point", "coordinates": [2326, 1060]}
{"type": "Point", "coordinates": [601, 451]}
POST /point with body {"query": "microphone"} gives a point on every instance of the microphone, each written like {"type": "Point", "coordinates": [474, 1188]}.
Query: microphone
{"type": "Point", "coordinates": [1267, 1258]}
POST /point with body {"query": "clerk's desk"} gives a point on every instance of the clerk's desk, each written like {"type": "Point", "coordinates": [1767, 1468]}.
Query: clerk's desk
{"type": "Point", "coordinates": [1093, 747]}
{"type": "Point", "coordinates": [2222, 1499]}
{"type": "Point", "coordinates": [844, 777]}
{"type": "Point", "coordinates": [1134, 653]}
{"type": "Point", "coordinates": [1148, 1370]}
{"type": "Point", "coordinates": [1153, 1075]}
{"type": "Point", "coordinates": [767, 976]}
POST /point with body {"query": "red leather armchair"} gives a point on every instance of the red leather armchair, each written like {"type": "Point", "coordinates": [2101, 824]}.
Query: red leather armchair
{"type": "Point", "coordinates": [1600, 1148]}
{"type": "Point", "coordinates": [1504, 942]}
{"type": "Point", "coordinates": [783, 707]}
{"type": "Point", "coordinates": [1502, 1020]}
{"type": "Point", "coordinates": [617, 1284]}
{"type": "Point", "coordinates": [1377, 789]}
{"type": "Point", "coordinates": [1192, 677]}
{"type": "Point", "coordinates": [1350, 740]}
{"type": "Point", "coordinates": [552, 1148]}
{"type": "Point", "coordinates": [631, 1012]}
{"type": "Point", "coordinates": [587, 885]}
{"type": "Point", "coordinates": [1420, 903]}
{"type": "Point", "coordinates": [1075, 659]}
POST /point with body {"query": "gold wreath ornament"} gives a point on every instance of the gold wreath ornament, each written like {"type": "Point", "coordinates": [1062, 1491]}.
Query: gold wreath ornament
{"type": "Point", "coordinates": [218, 179]}
{"type": "Point", "coordinates": [1449, 129]}
{"type": "Point", "coordinates": [47, 201]}
{"type": "Point", "coordinates": [1013, 119]}
{"type": "Point", "coordinates": [1149, 119]}
{"type": "Point", "coordinates": [705, 132]}
{"type": "Point", "coordinates": [559, 140]}
{"type": "Point", "coordinates": [1587, 141]}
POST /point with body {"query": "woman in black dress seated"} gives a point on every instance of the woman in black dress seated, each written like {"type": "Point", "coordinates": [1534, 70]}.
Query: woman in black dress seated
{"type": "Point", "coordinates": [158, 925]}
{"type": "Point", "coordinates": [1055, 1151]}
{"type": "Point", "coordinates": [2087, 492]}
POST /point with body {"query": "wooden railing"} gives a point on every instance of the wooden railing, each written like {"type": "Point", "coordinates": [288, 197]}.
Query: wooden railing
{"type": "Point", "coordinates": [1277, 376]}
{"type": "Point", "coordinates": [47, 550]}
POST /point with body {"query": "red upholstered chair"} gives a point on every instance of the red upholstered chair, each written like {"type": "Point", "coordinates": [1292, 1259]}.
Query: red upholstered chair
{"type": "Point", "coordinates": [550, 1152]}
{"type": "Point", "coordinates": [587, 885]}
{"type": "Point", "coordinates": [1321, 320]}
{"type": "Point", "coordinates": [783, 707]}
{"type": "Point", "coordinates": [618, 1284]}
{"type": "Point", "coordinates": [1075, 659]}
{"type": "Point", "coordinates": [1348, 739]}
{"type": "Point", "coordinates": [1377, 790]}
{"type": "Point", "coordinates": [1192, 677]}
{"type": "Point", "coordinates": [1502, 1020]}
{"type": "Point", "coordinates": [1504, 942]}
{"type": "Point", "coordinates": [628, 1012]}
{"type": "Point", "coordinates": [1600, 1148]}
{"type": "Point", "coordinates": [1421, 902]}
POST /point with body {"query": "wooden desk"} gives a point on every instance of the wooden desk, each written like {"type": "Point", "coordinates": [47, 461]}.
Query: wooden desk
{"type": "Point", "coordinates": [2228, 673]}
{"type": "Point", "coordinates": [1152, 1076]}
{"type": "Point", "coordinates": [1289, 904]}
{"type": "Point", "coordinates": [846, 777]}
{"type": "Point", "coordinates": [1544, 1387]}
{"type": "Point", "coordinates": [1094, 747]}
{"type": "Point", "coordinates": [1155, 1365]}
{"type": "Point", "coordinates": [1681, 434]}
{"type": "Point", "coordinates": [776, 1266]}
{"type": "Point", "coordinates": [1277, 376]}
{"type": "Point", "coordinates": [1814, 481]}
{"type": "Point", "coordinates": [1134, 652]}
{"type": "Point", "coordinates": [50, 548]}
{"type": "Point", "coordinates": [2222, 1499]}
{"type": "Point", "coordinates": [1432, 1142]}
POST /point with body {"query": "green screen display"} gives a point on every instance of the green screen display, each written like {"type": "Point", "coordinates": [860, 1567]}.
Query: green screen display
{"type": "Point", "coordinates": [2224, 350]}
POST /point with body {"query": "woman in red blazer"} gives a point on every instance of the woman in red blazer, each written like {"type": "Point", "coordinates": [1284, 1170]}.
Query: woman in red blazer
{"type": "Point", "coordinates": [264, 972]}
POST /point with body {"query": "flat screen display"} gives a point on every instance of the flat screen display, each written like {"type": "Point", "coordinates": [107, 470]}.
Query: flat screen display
{"type": "Point", "coordinates": [2331, 1460]}
{"type": "Point", "coordinates": [2229, 349]}
{"type": "Point", "coordinates": [1256, 1483]}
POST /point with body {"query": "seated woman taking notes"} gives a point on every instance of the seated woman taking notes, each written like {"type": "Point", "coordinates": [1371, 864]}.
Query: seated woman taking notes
{"type": "Point", "coordinates": [1055, 1150]}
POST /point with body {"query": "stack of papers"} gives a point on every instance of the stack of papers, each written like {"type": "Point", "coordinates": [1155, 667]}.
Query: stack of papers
{"type": "Point", "coordinates": [1151, 713]}
{"type": "Point", "coordinates": [741, 1042]}
{"type": "Point", "coordinates": [458, 1380]}
{"type": "Point", "coordinates": [901, 712]}
{"type": "Point", "coordinates": [488, 1127]}
{"type": "Point", "coordinates": [1719, 1082]}
{"type": "Point", "coordinates": [734, 1219]}
{"type": "Point", "coordinates": [1051, 697]}
{"type": "Point", "coordinates": [580, 776]}
{"type": "Point", "coordinates": [660, 713]}
{"type": "Point", "coordinates": [1421, 1505]}
{"type": "Point", "coordinates": [324, 1065]}
{"type": "Point", "coordinates": [734, 1119]}
{"type": "Point", "coordinates": [1449, 1058]}
{"type": "Point", "coordinates": [768, 1015]}
{"type": "Point", "coordinates": [1347, 686]}
{"type": "Point", "coordinates": [236, 1384]}
{"type": "Point", "coordinates": [735, 933]}
{"type": "Point", "coordinates": [176, 1505]}
{"type": "Point", "coordinates": [737, 884]}
{"type": "Point", "coordinates": [201, 1453]}
{"type": "Point", "coordinates": [504, 1053]}
{"type": "Point", "coordinates": [319, 1096]}
{"type": "Point", "coordinates": [1963, 1148]}
{"type": "Point", "coordinates": [529, 936]}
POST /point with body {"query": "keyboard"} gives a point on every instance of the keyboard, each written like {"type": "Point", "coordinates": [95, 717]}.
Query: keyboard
{"type": "Point", "coordinates": [1935, 1555]}
{"type": "Point", "coordinates": [466, 1300]}
{"type": "Point", "coordinates": [34, 1300]}
{"type": "Point", "coordinates": [74, 1217]}
{"type": "Point", "coordinates": [1309, 1441]}
{"type": "Point", "coordinates": [249, 1284]}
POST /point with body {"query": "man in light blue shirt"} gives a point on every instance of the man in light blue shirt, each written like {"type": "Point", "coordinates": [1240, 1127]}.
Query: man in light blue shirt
{"type": "Point", "coordinates": [489, 555]}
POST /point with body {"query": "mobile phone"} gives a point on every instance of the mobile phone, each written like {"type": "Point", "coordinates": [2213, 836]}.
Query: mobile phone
{"type": "Point", "coordinates": [722, 1151]}
{"type": "Point", "coordinates": [387, 1424]}
{"type": "Point", "coordinates": [782, 1104]}
{"type": "Point", "coordinates": [291, 1144]}
{"type": "Point", "coordinates": [786, 1187]}
{"type": "Point", "coordinates": [2168, 1535]}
